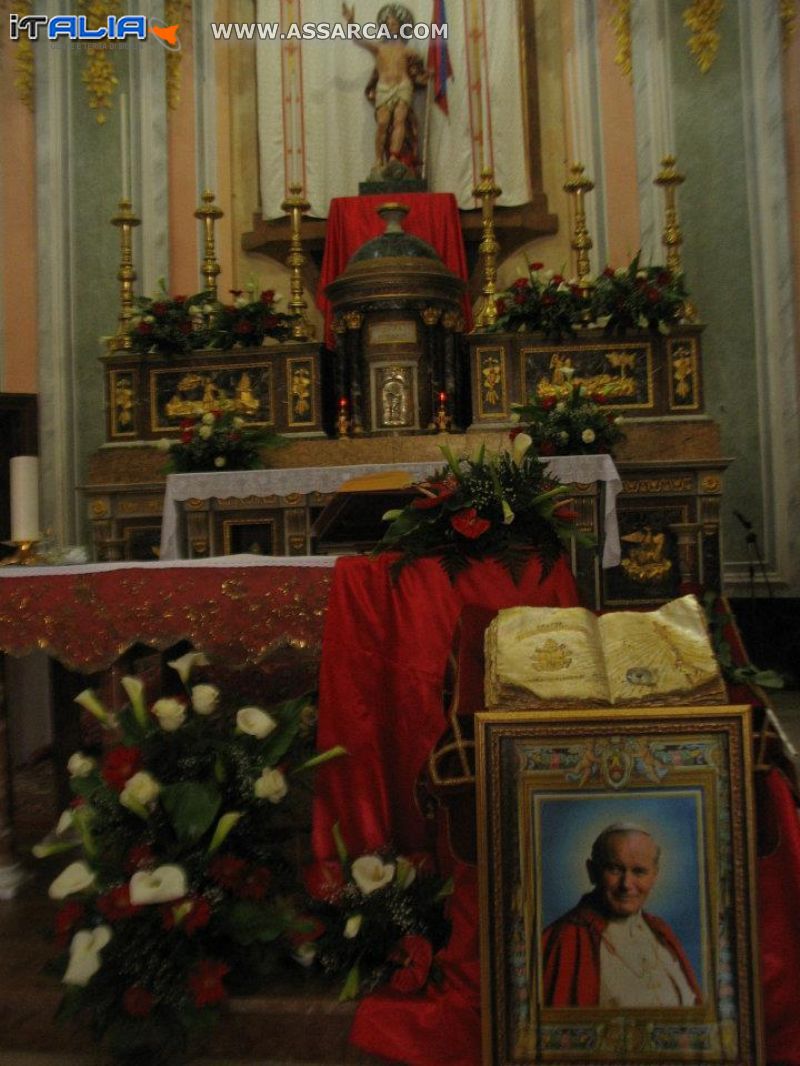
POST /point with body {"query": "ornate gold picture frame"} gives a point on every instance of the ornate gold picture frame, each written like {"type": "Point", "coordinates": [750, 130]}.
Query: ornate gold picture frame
{"type": "Point", "coordinates": [616, 860]}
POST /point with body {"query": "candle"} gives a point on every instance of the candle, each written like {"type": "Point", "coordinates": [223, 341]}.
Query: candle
{"type": "Point", "coordinates": [24, 470]}
{"type": "Point", "coordinates": [124, 146]}
{"type": "Point", "coordinates": [296, 146]}
{"type": "Point", "coordinates": [343, 403]}
{"type": "Point", "coordinates": [442, 398]}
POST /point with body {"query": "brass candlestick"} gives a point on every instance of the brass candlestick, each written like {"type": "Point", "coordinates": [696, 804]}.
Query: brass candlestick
{"type": "Point", "coordinates": [124, 220]}
{"type": "Point", "coordinates": [487, 192]}
{"type": "Point", "coordinates": [578, 185]}
{"type": "Point", "coordinates": [25, 554]}
{"type": "Point", "coordinates": [443, 421]}
{"type": "Point", "coordinates": [342, 421]}
{"type": "Point", "coordinates": [295, 205]}
{"type": "Point", "coordinates": [208, 213]}
{"type": "Point", "coordinates": [669, 179]}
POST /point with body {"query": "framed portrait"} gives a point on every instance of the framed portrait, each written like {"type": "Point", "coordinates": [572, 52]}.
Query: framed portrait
{"type": "Point", "coordinates": [616, 856]}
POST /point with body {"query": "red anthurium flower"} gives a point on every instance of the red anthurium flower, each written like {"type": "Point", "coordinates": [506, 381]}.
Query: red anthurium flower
{"type": "Point", "coordinates": [205, 982]}
{"type": "Point", "coordinates": [469, 523]}
{"type": "Point", "coordinates": [308, 928]}
{"type": "Point", "coordinates": [66, 920]}
{"type": "Point", "coordinates": [115, 905]}
{"type": "Point", "coordinates": [415, 955]}
{"type": "Point", "coordinates": [564, 514]}
{"type": "Point", "coordinates": [227, 870]}
{"type": "Point", "coordinates": [139, 857]}
{"type": "Point", "coordinates": [137, 1001]}
{"type": "Point", "coordinates": [324, 880]}
{"type": "Point", "coordinates": [119, 764]}
{"type": "Point", "coordinates": [537, 266]}
{"type": "Point", "coordinates": [254, 884]}
{"type": "Point", "coordinates": [424, 503]}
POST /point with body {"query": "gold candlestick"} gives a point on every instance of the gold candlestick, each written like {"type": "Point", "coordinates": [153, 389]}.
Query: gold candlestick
{"type": "Point", "coordinates": [669, 179]}
{"type": "Point", "coordinates": [25, 554]}
{"type": "Point", "coordinates": [295, 205]}
{"type": "Point", "coordinates": [578, 185]}
{"type": "Point", "coordinates": [487, 192]}
{"type": "Point", "coordinates": [208, 213]}
{"type": "Point", "coordinates": [342, 421]}
{"type": "Point", "coordinates": [442, 422]}
{"type": "Point", "coordinates": [124, 220]}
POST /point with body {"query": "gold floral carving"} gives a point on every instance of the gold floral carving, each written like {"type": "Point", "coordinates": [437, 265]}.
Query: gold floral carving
{"type": "Point", "coordinates": [176, 12]}
{"type": "Point", "coordinates": [98, 74]}
{"type": "Point", "coordinates": [621, 24]}
{"type": "Point", "coordinates": [701, 17]}
{"type": "Point", "coordinates": [25, 75]}
{"type": "Point", "coordinates": [711, 483]}
{"type": "Point", "coordinates": [788, 17]}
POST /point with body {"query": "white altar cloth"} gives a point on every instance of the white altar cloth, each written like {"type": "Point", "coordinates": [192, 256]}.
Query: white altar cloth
{"type": "Point", "coordinates": [239, 484]}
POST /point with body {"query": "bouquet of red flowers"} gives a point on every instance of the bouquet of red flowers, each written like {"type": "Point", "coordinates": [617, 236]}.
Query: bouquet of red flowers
{"type": "Point", "coordinates": [637, 297]}
{"type": "Point", "coordinates": [246, 321]}
{"type": "Point", "coordinates": [570, 421]}
{"type": "Point", "coordinates": [543, 302]}
{"type": "Point", "coordinates": [220, 440]}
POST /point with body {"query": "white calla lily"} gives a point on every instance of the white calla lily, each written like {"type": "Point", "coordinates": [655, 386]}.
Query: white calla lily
{"type": "Point", "coordinates": [520, 446]}
{"type": "Point", "coordinates": [76, 877]}
{"type": "Point", "coordinates": [205, 699]}
{"type": "Point", "coordinates": [352, 926]}
{"type": "Point", "coordinates": [370, 873]}
{"type": "Point", "coordinates": [84, 954]}
{"type": "Point", "coordinates": [134, 690]}
{"type": "Point", "coordinates": [88, 699]}
{"type": "Point", "coordinates": [161, 885]}
{"type": "Point", "coordinates": [186, 663]}
{"type": "Point", "coordinates": [272, 785]}
{"type": "Point", "coordinates": [255, 722]}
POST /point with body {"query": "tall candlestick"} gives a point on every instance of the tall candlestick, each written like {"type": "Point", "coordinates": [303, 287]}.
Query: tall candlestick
{"type": "Point", "coordinates": [295, 91]}
{"type": "Point", "coordinates": [124, 146]}
{"type": "Point", "coordinates": [24, 471]}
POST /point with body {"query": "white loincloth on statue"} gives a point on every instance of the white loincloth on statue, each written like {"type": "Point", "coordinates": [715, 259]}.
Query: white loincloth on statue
{"type": "Point", "coordinates": [392, 95]}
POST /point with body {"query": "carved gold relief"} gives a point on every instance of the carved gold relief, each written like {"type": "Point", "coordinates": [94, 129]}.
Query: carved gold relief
{"type": "Point", "coordinates": [492, 381]}
{"type": "Point", "coordinates": [453, 320]}
{"type": "Point", "coordinates": [645, 562]}
{"type": "Point", "coordinates": [431, 315]}
{"type": "Point", "coordinates": [682, 371]}
{"type": "Point", "coordinates": [618, 385]}
{"type": "Point", "coordinates": [621, 24]}
{"type": "Point", "coordinates": [711, 483]}
{"type": "Point", "coordinates": [788, 17]}
{"type": "Point", "coordinates": [100, 508]}
{"type": "Point", "coordinates": [300, 391]}
{"type": "Point", "coordinates": [98, 72]}
{"type": "Point", "coordinates": [176, 12]}
{"type": "Point", "coordinates": [24, 76]}
{"type": "Point", "coordinates": [657, 486]}
{"type": "Point", "coordinates": [701, 17]}
{"type": "Point", "coordinates": [353, 319]}
{"type": "Point", "coordinates": [244, 400]}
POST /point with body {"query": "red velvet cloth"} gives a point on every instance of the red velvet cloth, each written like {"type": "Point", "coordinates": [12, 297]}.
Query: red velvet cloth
{"type": "Point", "coordinates": [385, 651]}
{"type": "Point", "coordinates": [353, 220]}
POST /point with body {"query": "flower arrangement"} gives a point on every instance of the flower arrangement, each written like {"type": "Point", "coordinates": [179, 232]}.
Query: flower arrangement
{"type": "Point", "coordinates": [247, 321]}
{"type": "Point", "coordinates": [175, 325]}
{"type": "Point", "coordinates": [180, 895]}
{"type": "Point", "coordinates": [378, 918]}
{"type": "Point", "coordinates": [543, 301]}
{"type": "Point", "coordinates": [500, 506]}
{"type": "Point", "coordinates": [637, 297]}
{"type": "Point", "coordinates": [570, 421]}
{"type": "Point", "coordinates": [220, 440]}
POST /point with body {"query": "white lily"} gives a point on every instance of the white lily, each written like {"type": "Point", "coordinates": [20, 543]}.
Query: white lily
{"type": "Point", "coordinates": [89, 701]}
{"type": "Point", "coordinates": [255, 722]}
{"type": "Point", "coordinates": [370, 873]}
{"type": "Point", "coordinates": [161, 885]}
{"type": "Point", "coordinates": [84, 954]}
{"type": "Point", "coordinates": [134, 690]}
{"type": "Point", "coordinates": [186, 663]}
{"type": "Point", "coordinates": [76, 877]}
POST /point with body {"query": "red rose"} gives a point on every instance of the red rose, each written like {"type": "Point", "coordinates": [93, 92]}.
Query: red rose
{"type": "Point", "coordinates": [556, 279]}
{"type": "Point", "coordinates": [254, 884]}
{"type": "Point", "coordinates": [520, 284]}
{"type": "Point", "coordinates": [547, 403]}
{"type": "Point", "coordinates": [324, 880]}
{"type": "Point", "coordinates": [267, 296]}
{"type": "Point", "coordinates": [186, 423]}
{"type": "Point", "coordinates": [144, 327]}
{"type": "Point", "coordinates": [159, 309]}
{"type": "Point", "coordinates": [537, 266]}
{"type": "Point", "coordinates": [119, 764]}
{"type": "Point", "coordinates": [205, 982]}
{"type": "Point", "coordinates": [115, 905]}
{"type": "Point", "coordinates": [469, 523]}
{"type": "Point", "coordinates": [66, 920]}
{"type": "Point", "coordinates": [414, 954]}
{"type": "Point", "coordinates": [227, 870]}
{"type": "Point", "coordinates": [137, 1001]}
{"type": "Point", "coordinates": [139, 857]}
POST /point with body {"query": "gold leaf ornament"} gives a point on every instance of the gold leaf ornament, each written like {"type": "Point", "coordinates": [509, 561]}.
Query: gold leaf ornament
{"type": "Point", "coordinates": [701, 17]}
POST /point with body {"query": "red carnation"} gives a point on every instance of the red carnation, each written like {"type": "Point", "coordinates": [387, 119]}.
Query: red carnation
{"type": "Point", "coordinates": [66, 920]}
{"type": "Point", "coordinates": [254, 884]}
{"type": "Point", "coordinates": [469, 523]}
{"type": "Point", "coordinates": [324, 880]}
{"type": "Point", "coordinates": [119, 764]}
{"type": "Point", "coordinates": [115, 905]}
{"type": "Point", "coordinates": [414, 955]}
{"type": "Point", "coordinates": [205, 982]}
{"type": "Point", "coordinates": [137, 1001]}
{"type": "Point", "coordinates": [227, 870]}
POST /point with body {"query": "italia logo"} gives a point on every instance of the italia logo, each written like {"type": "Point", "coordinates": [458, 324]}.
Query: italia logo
{"type": "Point", "coordinates": [76, 28]}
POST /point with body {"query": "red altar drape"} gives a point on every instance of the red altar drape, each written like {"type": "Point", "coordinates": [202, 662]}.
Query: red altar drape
{"type": "Point", "coordinates": [385, 651]}
{"type": "Point", "coordinates": [353, 220]}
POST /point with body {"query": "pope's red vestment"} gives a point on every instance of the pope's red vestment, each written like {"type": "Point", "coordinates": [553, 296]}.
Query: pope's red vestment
{"type": "Point", "coordinates": [571, 956]}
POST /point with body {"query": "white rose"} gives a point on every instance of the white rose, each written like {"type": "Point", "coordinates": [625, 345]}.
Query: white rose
{"type": "Point", "coordinates": [142, 789]}
{"type": "Point", "coordinates": [563, 436]}
{"type": "Point", "coordinates": [241, 301]}
{"type": "Point", "coordinates": [80, 765]}
{"type": "Point", "coordinates": [219, 461]}
{"type": "Point", "coordinates": [208, 419]}
{"type": "Point", "coordinates": [186, 663]}
{"type": "Point", "coordinates": [271, 786]}
{"type": "Point", "coordinates": [84, 954]}
{"type": "Point", "coordinates": [588, 436]}
{"type": "Point", "coordinates": [205, 699]}
{"type": "Point", "coordinates": [371, 873]}
{"type": "Point", "coordinates": [352, 926]}
{"type": "Point", "coordinates": [171, 713]}
{"type": "Point", "coordinates": [255, 722]}
{"type": "Point", "coordinates": [161, 885]}
{"type": "Point", "coordinates": [205, 432]}
{"type": "Point", "coordinates": [76, 877]}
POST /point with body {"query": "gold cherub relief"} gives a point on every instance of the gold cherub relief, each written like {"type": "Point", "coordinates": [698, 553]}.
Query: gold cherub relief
{"type": "Point", "coordinates": [214, 398]}
{"type": "Point", "coordinates": [645, 562]}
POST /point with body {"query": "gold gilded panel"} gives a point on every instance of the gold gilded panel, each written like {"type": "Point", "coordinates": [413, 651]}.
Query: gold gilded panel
{"type": "Point", "coordinates": [492, 384]}
{"type": "Point", "coordinates": [123, 390]}
{"type": "Point", "coordinates": [140, 505]}
{"type": "Point", "coordinates": [658, 486]}
{"type": "Point", "coordinates": [300, 391]}
{"type": "Point", "coordinates": [394, 403]}
{"type": "Point", "coordinates": [400, 331]}
{"type": "Point", "coordinates": [243, 389]}
{"type": "Point", "coordinates": [254, 536]}
{"type": "Point", "coordinates": [684, 386]}
{"type": "Point", "coordinates": [621, 370]}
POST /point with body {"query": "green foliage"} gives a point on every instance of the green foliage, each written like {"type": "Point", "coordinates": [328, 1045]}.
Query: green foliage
{"type": "Point", "coordinates": [570, 421]}
{"type": "Point", "coordinates": [542, 302]}
{"type": "Point", "coordinates": [638, 297]}
{"type": "Point", "coordinates": [220, 440]}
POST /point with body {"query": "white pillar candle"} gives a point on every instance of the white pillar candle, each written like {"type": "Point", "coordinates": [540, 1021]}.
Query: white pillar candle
{"type": "Point", "coordinates": [25, 498]}
{"type": "Point", "coordinates": [124, 146]}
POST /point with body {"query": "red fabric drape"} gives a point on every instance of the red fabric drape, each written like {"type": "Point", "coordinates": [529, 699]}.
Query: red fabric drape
{"type": "Point", "coordinates": [385, 650]}
{"type": "Point", "coordinates": [353, 220]}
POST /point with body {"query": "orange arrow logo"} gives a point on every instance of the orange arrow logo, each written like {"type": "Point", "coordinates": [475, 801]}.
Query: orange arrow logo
{"type": "Point", "coordinates": [166, 33]}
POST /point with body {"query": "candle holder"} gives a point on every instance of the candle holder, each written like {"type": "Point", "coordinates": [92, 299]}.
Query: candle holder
{"type": "Point", "coordinates": [442, 422]}
{"type": "Point", "coordinates": [578, 185]}
{"type": "Point", "coordinates": [487, 192]}
{"type": "Point", "coordinates": [342, 421]}
{"type": "Point", "coordinates": [25, 554]}
{"type": "Point", "coordinates": [124, 220]}
{"type": "Point", "coordinates": [208, 213]}
{"type": "Point", "coordinates": [296, 205]}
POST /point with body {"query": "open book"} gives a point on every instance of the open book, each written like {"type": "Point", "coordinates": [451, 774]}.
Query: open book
{"type": "Point", "coordinates": [569, 657]}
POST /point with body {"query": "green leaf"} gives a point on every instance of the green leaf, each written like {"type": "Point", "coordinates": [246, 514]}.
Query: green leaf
{"type": "Point", "coordinates": [191, 807]}
{"type": "Point", "coordinates": [288, 716]}
{"type": "Point", "coordinates": [768, 679]}
{"type": "Point", "coordinates": [250, 923]}
{"type": "Point", "coordinates": [341, 847]}
{"type": "Point", "coordinates": [323, 757]}
{"type": "Point", "coordinates": [351, 984]}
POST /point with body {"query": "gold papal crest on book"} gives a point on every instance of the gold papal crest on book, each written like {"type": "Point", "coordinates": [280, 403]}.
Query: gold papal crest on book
{"type": "Point", "coordinates": [551, 656]}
